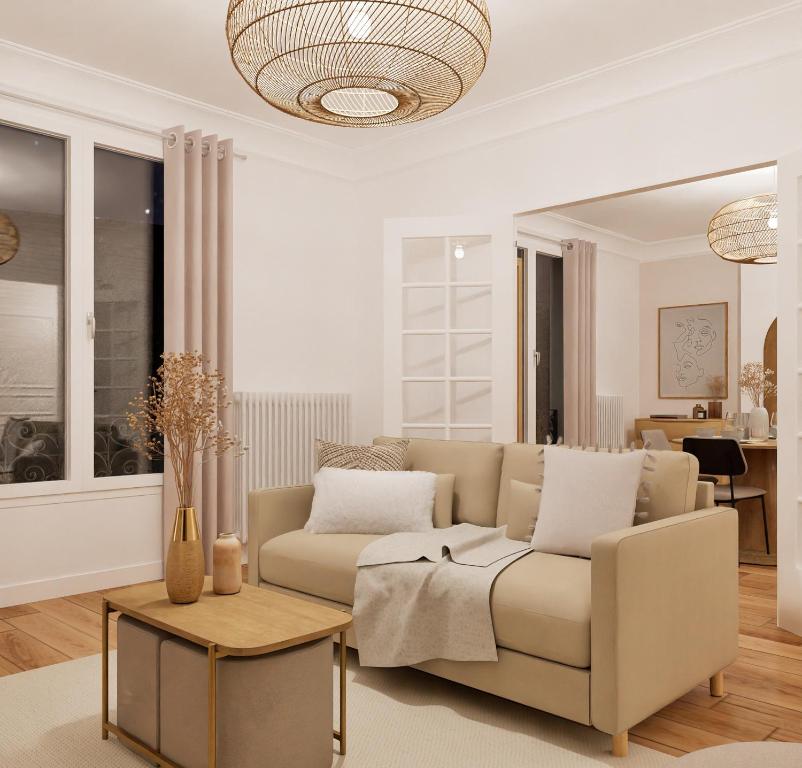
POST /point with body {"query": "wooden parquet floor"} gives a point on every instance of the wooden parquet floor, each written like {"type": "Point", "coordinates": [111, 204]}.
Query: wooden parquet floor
{"type": "Point", "coordinates": [764, 686]}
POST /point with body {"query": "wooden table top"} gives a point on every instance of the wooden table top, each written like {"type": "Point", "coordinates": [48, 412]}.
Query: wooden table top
{"type": "Point", "coordinates": [758, 445]}
{"type": "Point", "coordinates": [250, 623]}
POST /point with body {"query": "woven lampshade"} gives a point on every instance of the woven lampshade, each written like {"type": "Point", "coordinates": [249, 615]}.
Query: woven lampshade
{"type": "Point", "coordinates": [365, 63]}
{"type": "Point", "coordinates": [746, 231]}
{"type": "Point", "coordinates": [9, 239]}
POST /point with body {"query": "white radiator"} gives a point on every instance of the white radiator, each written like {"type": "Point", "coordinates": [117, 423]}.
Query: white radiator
{"type": "Point", "coordinates": [279, 430]}
{"type": "Point", "coordinates": [610, 421]}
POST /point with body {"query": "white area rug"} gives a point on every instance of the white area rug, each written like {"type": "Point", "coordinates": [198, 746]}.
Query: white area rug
{"type": "Point", "coordinates": [397, 718]}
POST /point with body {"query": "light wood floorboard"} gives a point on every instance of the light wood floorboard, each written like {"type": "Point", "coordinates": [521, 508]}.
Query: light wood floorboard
{"type": "Point", "coordinates": [763, 698]}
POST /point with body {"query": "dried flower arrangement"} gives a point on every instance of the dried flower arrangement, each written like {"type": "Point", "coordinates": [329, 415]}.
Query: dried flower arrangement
{"type": "Point", "coordinates": [756, 381]}
{"type": "Point", "coordinates": [180, 413]}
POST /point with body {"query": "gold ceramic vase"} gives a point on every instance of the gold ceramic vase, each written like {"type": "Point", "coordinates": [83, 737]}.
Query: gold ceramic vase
{"type": "Point", "coordinates": [185, 567]}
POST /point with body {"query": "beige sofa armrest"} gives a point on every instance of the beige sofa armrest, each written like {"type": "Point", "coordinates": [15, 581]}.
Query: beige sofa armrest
{"type": "Point", "coordinates": [664, 613]}
{"type": "Point", "coordinates": [271, 512]}
{"type": "Point", "coordinates": [705, 495]}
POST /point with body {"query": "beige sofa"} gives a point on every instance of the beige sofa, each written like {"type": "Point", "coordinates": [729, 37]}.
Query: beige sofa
{"type": "Point", "coordinates": [606, 641]}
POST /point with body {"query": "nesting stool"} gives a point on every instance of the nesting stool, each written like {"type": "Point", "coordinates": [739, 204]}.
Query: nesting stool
{"type": "Point", "coordinates": [274, 710]}
{"type": "Point", "coordinates": [233, 681]}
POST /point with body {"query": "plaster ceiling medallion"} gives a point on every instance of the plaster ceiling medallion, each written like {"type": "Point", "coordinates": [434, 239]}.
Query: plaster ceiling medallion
{"type": "Point", "coordinates": [9, 239]}
{"type": "Point", "coordinates": [359, 64]}
{"type": "Point", "coordinates": [745, 231]}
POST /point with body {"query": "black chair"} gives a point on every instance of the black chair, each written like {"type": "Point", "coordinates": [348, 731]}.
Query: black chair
{"type": "Point", "coordinates": [724, 456]}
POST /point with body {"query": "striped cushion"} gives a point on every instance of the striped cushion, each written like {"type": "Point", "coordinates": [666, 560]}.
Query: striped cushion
{"type": "Point", "coordinates": [381, 458]}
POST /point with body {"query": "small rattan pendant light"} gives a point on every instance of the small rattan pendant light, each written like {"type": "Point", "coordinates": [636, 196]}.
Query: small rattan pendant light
{"type": "Point", "coordinates": [9, 239]}
{"type": "Point", "coordinates": [359, 63]}
{"type": "Point", "coordinates": [746, 231]}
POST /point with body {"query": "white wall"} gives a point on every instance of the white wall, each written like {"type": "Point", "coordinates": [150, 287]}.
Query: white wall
{"type": "Point", "coordinates": [301, 299]}
{"type": "Point", "coordinates": [759, 305]}
{"type": "Point", "coordinates": [699, 279]}
{"type": "Point", "coordinates": [618, 331]}
{"type": "Point", "coordinates": [672, 135]}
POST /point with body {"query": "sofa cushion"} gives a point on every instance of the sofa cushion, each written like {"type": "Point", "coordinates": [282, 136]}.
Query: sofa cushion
{"type": "Point", "coordinates": [524, 505]}
{"type": "Point", "coordinates": [321, 564]}
{"type": "Point", "coordinates": [670, 486]}
{"type": "Point", "coordinates": [522, 462]}
{"type": "Point", "coordinates": [540, 604]}
{"type": "Point", "coordinates": [477, 469]}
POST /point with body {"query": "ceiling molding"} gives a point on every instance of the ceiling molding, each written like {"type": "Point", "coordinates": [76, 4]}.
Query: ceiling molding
{"type": "Point", "coordinates": [146, 88]}
{"type": "Point", "coordinates": [602, 90]}
{"type": "Point", "coordinates": [589, 73]}
{"type": "Point", "coordinates": [644, 251]}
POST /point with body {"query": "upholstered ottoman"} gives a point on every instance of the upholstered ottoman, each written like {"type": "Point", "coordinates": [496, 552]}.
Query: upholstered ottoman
{"type": "Point", "coordinates": [275, 709]}
{"type": "Point", "coordinates": [138, 652]}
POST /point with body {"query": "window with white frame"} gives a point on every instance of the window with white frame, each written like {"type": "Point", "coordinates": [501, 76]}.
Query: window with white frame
{"type": "Point", "coordinates": [81, 301]}
{"type": "Point", "coordinates": [447, 337]}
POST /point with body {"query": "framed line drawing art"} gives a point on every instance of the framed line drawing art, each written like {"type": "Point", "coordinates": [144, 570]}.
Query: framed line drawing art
{"type": "Point", "coordinates": [692, 348]}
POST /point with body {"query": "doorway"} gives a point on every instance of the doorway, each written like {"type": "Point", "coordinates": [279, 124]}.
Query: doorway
{"type": "Point", "coordinates": [540, 346]}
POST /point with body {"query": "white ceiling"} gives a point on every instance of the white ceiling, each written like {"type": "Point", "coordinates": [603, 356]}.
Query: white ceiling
{"type": "Point", "coordinates": [180, 45]}
{"type": "Point", "coordinates": [674, 212]}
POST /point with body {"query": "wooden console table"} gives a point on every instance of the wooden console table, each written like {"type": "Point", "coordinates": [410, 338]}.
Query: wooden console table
{"type": "Point", "coordinates": [250, 623]}
{"type": "Point", "coordinates": [675, 428]}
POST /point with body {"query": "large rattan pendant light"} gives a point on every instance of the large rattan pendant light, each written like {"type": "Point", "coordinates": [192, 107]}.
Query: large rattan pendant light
{"type": "Point", "coordinates": [366, 63]}
{"type": "Point", "coordinates": [746, 231]}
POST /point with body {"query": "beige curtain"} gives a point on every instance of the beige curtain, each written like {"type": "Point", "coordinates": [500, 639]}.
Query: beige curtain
{"type": "Point", "coordinates": [198, 298]}
{"type": "Point", "coordinates": [579, 341]}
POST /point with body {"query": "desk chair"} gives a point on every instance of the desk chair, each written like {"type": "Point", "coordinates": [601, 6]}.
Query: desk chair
{"type": "Point", "coordinates": [724, 456]}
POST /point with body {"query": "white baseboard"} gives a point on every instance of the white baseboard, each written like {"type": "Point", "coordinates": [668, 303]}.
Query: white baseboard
{"type": "Point", "coordinates": [30, 591]}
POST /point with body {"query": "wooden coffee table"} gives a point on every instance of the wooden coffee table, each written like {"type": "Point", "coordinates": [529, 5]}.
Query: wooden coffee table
{"type": "Point", "coordinates": [253, 622]}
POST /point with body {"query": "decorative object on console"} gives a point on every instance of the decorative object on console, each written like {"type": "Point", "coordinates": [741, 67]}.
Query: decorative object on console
{"type": "Point", "coordinates": [692, 351]}
{"type": "Point", "coordinates": [366, 501]}
{"type": "Point", "coordinates": [9, 239]}
{"type": "Point", "coordinates": [572, 514]}
{"type": "Point", "coordinates": [756, 382]}
{"type": "Point", "coordinates": [746, 231]}
{"type": "Point", "coordinates": [227, 564]}
{"type": "Point", "coordinates": [699, 412]}
{"type": "Point", "coordinates": [356, 64]}
{"type": "Point", "coordinates": [180, 419]}
{"type": "Point", "coordinates": [714, 409]}
{"type": "Point", "coordinates": [390, 457]}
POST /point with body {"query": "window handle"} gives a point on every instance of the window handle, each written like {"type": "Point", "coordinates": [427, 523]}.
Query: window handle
{"type": "Point", "coordinates": [91, 324]}
{"type": "Point", "coordinates": [536, 358]}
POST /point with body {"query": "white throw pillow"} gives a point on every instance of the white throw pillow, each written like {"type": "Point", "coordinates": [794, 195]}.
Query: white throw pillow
{"type": "Point", "coordinates": [585, 495]}
{"type": "Point", "coordinates": [367, 501]}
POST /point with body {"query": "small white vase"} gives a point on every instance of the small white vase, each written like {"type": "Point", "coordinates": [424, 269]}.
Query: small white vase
{"type": "Point", "coordinates": [759, 423]}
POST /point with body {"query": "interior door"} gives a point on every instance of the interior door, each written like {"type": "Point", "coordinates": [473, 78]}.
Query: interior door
{"type": "Point", "coordinates": [450, 328]}
{"type": "Point", "coordinates": [789, 396]}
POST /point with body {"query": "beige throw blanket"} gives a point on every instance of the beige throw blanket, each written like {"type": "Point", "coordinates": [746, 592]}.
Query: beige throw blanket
{"type": "Point", "coordinates": [422, 596]}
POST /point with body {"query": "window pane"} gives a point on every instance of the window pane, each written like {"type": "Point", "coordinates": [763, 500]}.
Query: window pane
{"type": "Point", "coordinates": [129, 253]}
{"type": "Point", "coordinates": [32, 179]}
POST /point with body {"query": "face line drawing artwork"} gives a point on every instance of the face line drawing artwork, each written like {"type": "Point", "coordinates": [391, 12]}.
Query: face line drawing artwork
{"type": "Point", "coordinates": [687, 371]}
{"type": "Point", "coordinates": [696, 337]}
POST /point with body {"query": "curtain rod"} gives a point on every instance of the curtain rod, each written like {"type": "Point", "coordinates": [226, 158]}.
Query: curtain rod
{"type": "Point", "coordinates": [90, 116]}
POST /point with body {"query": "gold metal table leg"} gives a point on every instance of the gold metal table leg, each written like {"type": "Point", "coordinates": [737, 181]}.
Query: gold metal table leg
{"type": "Point", "coordinates": [343, 712]}
{"type": "Point", "coordinates": [212, 650]}
{"type": "Point", "coordinates": [104, 644]}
